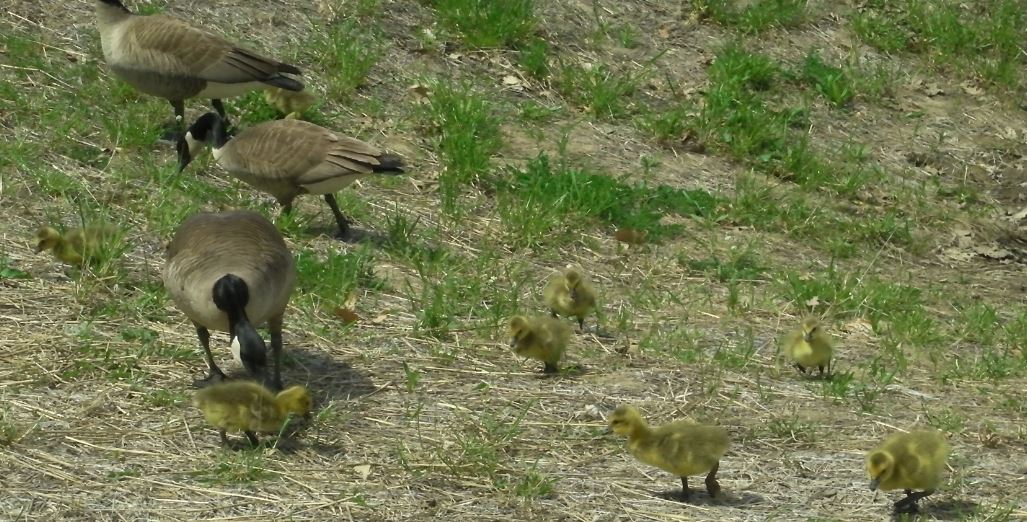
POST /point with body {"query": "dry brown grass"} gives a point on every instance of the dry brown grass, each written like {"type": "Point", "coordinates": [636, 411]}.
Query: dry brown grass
{"type": "Point", "coordinates": [103, 429]}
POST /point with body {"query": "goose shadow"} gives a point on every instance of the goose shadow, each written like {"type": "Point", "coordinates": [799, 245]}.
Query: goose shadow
{"type": "Point", "coordinates": [942, 510]}
{"type": "Point", "coordinates": [327, 377]}
{"type": "Point", "coordinates": [700, 497]}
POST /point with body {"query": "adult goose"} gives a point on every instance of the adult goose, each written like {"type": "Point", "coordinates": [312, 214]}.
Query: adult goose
{"type": "Point", "coordinates": [166, 57]}
{"type": "Point", "coordinates": [286, 158]}
{"type": "Point", "coordinates": [231, 271]}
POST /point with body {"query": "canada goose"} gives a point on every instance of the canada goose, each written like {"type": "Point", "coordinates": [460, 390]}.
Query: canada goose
{"type": "Point", "coordinates": [569, 293]}
{"type": "Point", "coordinates": [249, 407]}
{"type": "Point", "coordinates": [291, 104]}
{"type": "Point", "coordinates": [286, 158]}
{"type": "Point", "coordinates": [76, 245]}
{"type": "Point", "coordinates": [230, 272]}
{"type": "Point", "coordinates": [166, 57]}
{"type": "Point", "coordinates": [682, 448]}
{"type": "Point", "coordinates": [809, 346]}
{"type": "Point", "coordinates": [908, 461]}
{"type": "Point", "coordinates": [540, 338]}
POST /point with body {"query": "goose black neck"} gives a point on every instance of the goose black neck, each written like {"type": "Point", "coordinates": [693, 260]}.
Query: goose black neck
{"type": "Point", "coordinates": [210, 128]}
{"type": "Point", "coordinates": [231, 295]}
{"type": "Point", "coordinates": [116, 3]}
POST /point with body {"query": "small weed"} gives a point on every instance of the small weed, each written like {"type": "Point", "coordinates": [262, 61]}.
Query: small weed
{"type": "Point", "coordinates": [8, 430]}
{"type": "Point", "coordinates": [838, 386]}
{"type": "Point", "coordinates": [468, 136]}
{"type": "Point", "coordinates": [162, 398]}
{"type": "Point", "coordinates": [742, 265]}
{"type": "Point", "coordinates": [602, 92]}
{"type": "Point", "coordinates": [413, 377]}
{"type": "Point", "coordinates": [535, 198]}
{"type": "Point", "coordinates": [946, 420]}
{"type": "Point", "coordinates": [487, 23]}
{"type": "Point", "coordinates": [668, 125]}
{"type": "Point", "coordinates": [347, 51]}
{"type": "Point", "coordinates": [332, 279]}
{"type": "Point", "coordinates": [233, 467]}
{"type": "Point", "coordinates": [757, 16]}
{"type": "Point", "coordinates": [533, 57]}
{"type": "Point", "coordinates": [7, 271]}
{"type": "Point", "coordinates": [880, 31]}
{"type": "Point", "coordinates": [534, 484]}
{"type": "Point", "coordinates": [792, 428]}
{"type": "Point", "coordinates": [830, 81]}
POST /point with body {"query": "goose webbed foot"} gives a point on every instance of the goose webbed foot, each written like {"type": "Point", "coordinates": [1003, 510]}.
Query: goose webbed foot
{"type": "Point", "coordinates": [214, 377]}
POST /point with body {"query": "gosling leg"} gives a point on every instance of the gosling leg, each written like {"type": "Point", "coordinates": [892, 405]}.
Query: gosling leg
{"type": "Point", "coordinates": [712, 486]}
{"type": "Point", "coordinates": [800, 367]}
{"type": "Point", "coordinates": [253, 439]}
{"type": "Point", "coordinates": [215, 375]}
{"type": "Point", "coordinates": [550, 369]}
{"type": "Point", "coordinates": [224, 438]}
{"type": "Point", "coordinates": [686, 494]}
{"type": "Point", "coordinates": [908, 504]}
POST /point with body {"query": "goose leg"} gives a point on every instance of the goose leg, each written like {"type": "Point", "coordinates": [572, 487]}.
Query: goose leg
{"type": "Point", "coordinates": [712, 486]}
{"type": "Point", "coordinates": [275, 325]}
{"type": "Point", "coordinates": [339, 218]}
{"type": "Point", "coordinates": [215, 374]}
{"type": "Point", "coordinates": [220, 108]}
{"type": "Point", "coordinates": [173, 129]}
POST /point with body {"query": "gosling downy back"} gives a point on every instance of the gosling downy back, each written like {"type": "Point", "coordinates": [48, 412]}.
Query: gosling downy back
{"type": "Point", "coordinates": [287, 158]}
{"type": "Point", "coordinates": [77, 245]}
{"type": "Point", "coordinates": [292, 104]}
{"type": "Point", "coordinates": [540, 338]}
{"type": "Point", "coordinates": [569, 293]}
{"type": "Point", "coordinates": [809, 346]}
{"type": "Point", "coordinates": [231, 271]}
{"type": "Point", "coordinates": [911, 460]}
{"type": "Point", "coordinates": [249, 407]}
{"type": "Point", "coordinates": [166, 57]}
{"type": "Point", "coordinates": [682, 448]}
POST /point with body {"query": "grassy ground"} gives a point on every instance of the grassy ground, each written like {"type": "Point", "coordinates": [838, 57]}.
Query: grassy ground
{"type": "Point", "coordinates": [864, 161]}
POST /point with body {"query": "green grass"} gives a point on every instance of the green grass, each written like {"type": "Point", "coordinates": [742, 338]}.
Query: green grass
{"type": "Point", "coordinates": [545, 201]}
{"type": "Point", "coordinates": [329, 280]}
{"type": "Point", "coordinates": [601, 91]}
{"type": "Point", "coordinates": [347, 52]}
{"type": "Point", "coordinates": [756, 16]}
{"type": "Point", "coordinates": [487, 23]}
{"type": "Point", "coordinates": [466, 126]}
{"type": "Point", "coordinates": [984, 39]}
{"type": "Point", "coordinates": [829, 81]}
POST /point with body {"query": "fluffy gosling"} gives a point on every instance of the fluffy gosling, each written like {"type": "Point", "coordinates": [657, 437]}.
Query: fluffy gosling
{"type": "Point", "coordinates": [908, 461]}
{"type": "Point", "coordinates": [76, 245]}
{"type": "Point", "coordinates": [681, 447]}
{"type": "Point", "coordinates": [540, 338]}
{"type": "Point", "coordinates": [809, 346]}
{"type": "Point", "coordinates": [249, 407]}
{"type": "Point", "coordinates": [568, 293]}
{"type": "Point", "coordinates": [291, 104]}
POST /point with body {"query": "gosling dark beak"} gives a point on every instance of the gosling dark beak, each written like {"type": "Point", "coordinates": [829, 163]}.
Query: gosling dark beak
{"type": "Point", "coordinates": [39, 248]}
{"type": "Point", "coordinates": [574, 294]}
{"type": "Point", "coordinates": [513, 343]}
{"type": "Point", "coordinates": [874, 484]}
{"type": "Point", "coordinates": [808, 337]}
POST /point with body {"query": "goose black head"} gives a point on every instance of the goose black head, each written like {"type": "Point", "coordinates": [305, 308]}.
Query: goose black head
{"type": "Point", "coordinates": [208, 129]}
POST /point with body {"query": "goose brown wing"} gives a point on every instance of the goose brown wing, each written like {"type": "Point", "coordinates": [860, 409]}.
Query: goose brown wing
{"type": "Point", "coordinates": [183, 49]}
{"type": "Point", "coordinates": [300, 151]}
